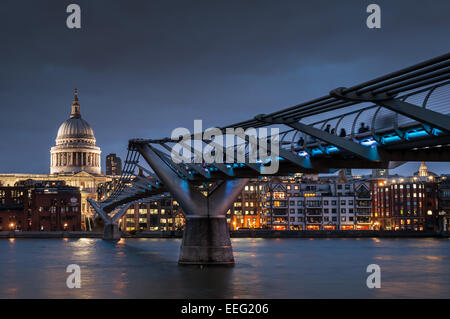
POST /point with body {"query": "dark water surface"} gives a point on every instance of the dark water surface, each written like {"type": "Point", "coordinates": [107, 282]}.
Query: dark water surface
{"type": "Point", "coordinates": [265, 268]}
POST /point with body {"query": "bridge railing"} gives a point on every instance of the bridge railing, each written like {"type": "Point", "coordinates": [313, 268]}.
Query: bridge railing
{"type": "Point", "coordinates": [377, 119]}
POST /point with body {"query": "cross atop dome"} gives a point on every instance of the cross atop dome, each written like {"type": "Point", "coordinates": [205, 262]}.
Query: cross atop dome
{"type": "Point", "coordinates": [75, 107]}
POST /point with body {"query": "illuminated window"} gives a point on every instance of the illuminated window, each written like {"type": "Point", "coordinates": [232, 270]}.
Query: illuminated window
{"type": "Point", "coordinates": [278, 195]}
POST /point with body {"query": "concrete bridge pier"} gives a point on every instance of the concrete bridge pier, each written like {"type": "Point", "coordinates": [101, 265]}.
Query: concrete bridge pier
{"type": "Point", "coordinates": [206, 241]}
{"type": "Point", "coordinates": [206, 237]}
{"type": "Point", "coordinates": [111, 230]}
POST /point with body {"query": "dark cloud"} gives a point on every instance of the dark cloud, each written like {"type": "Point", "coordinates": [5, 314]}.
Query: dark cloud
{"type": "Point", "coordinates": [145, 67]}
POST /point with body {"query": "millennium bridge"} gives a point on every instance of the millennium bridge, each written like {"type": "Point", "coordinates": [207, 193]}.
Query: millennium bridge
{"type": "Point", "coordinates": [382, 123]}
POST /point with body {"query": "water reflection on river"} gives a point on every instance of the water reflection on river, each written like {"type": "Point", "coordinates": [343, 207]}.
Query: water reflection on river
{"type": "Point", "coordinates": [265, 268]}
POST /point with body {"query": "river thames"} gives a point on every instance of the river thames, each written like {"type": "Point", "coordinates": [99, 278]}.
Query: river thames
{"type": "Point", "coordinates": [265, 268]}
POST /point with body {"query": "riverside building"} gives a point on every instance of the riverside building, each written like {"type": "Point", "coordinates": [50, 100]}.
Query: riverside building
{"type": "Point", "coordinates": [271, 203]}
{"type": "Point", "coordinates": [406, 203]}
{"type": "Point", "coordinates": [156, 215]}
{"type": "Point", "coordinates": [444, 202]}
{"type": "Point", "coordinates": [421, 202]}
{"type": "Point", "coordinates": [296, 204]}
{"type": "Point", "coordinates": [40, 206]}
{"type": "Point", "coordinates": [246, 212]}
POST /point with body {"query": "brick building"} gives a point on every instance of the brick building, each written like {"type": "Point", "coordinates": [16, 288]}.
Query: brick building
{"type": "Point", "coordinates": [246, 212]}
{"type": "Point", "coordinates": [405, 204]}
{"type": "Point", "coordinates": [444, 202]}
{"type": "Point", "coordinates": [40, 206]}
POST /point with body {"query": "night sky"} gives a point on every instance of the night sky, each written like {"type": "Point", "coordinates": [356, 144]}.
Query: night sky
{"type": "Point", "coordinates": [145, 67]}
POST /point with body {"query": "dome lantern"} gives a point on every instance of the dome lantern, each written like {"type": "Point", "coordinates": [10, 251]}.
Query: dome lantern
{"type": "Point", "coordinates": [75, 107]}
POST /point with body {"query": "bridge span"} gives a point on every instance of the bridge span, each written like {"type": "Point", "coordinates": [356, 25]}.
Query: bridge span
{"type": "Point", "coordinates": [382, 123]}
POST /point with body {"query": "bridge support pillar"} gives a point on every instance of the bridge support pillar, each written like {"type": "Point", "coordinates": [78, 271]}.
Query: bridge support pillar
{"type": "Point", "coordinates": [111, 229]}
{"type": "Point", "coordinates": [206, 237]}
{"type": "Point", "coordinates": [111, 232]}
{"type": "Point", "coordinates": [206, 241]}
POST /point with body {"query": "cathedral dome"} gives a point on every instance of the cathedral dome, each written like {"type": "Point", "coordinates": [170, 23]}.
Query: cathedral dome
{"type": "Point", "coordinates": [75, 128]}
{"type": "Point", "coordinates": [75, 148]}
